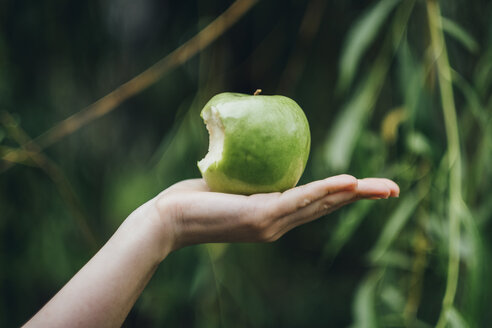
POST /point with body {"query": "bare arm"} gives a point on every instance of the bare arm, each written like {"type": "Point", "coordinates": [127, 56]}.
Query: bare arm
{"type": "Point", "coordinates": [102, 293]}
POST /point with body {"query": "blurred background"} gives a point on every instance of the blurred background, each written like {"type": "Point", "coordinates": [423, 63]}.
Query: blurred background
{"type": "Point", "coordinates": [391, 88]}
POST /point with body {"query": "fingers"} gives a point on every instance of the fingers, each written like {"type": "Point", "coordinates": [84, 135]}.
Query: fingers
{"type": "Point", "coordinates": [394, 188]}
{"type": "Point", "coordinates": [369, 188]}
{"type": "Point", "coordinates": [377, 188]}
{"type": "Point", "coordinates": [297, 198]}
{"type": "Point", "coordinates": [201, 216]}
{"type": "Point", "coordinates": [319, 208]}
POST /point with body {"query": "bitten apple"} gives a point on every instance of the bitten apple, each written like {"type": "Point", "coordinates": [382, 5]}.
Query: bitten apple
{"type": "Point", "coordinates": [257, 143]}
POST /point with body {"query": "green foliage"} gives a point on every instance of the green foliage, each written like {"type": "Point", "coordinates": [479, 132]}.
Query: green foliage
{"type": "Point", "coordinates": [364, 303]}
{"type": "Point", "coordinates": [393, 226]}
{"type": "Point", "coordinates": [405, 69]}
{"type": "Point", "coordinates": [461, 35]}
{"type": "Point", "coordinates": [360, 37]}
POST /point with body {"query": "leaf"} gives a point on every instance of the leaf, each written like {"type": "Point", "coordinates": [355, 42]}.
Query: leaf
{"type": "Point", "coordinates": [459, 34]}
{"type": "Point", "coordinates": [411, 77]}
{"type": "Point", "coordinates": [393, 298]}
{"type": "Point", "coordinates": [395, 259]}
{"type": "Point", "coordinates": [359, 38]}
{"type": "Point", "coordinates": [394, 226]}
{"type": "Point", "coordinates": [475, 267]}
{"type": "Point", "coordinates": [455, 319]}
{"type": "Point", "coordinates": [391, 122]}
{"type": "Point", "coordinates": [483, 78]}
{"type": "Point", "coordinates": [472, 97]}
{"type": "Point", "coordinates": [484, 211]}
{"type": "Point", "coordinates": [346, 227]}
{"type": "Point", "coordinates": [418, 143]}
{"type": "Point", "coordinates": [340, 143]}
{"type": "Point", "coordinates": [364, 308]}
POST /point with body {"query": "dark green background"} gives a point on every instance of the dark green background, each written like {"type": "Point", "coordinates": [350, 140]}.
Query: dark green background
{"type": "Point", "coordinates": [381, 263]}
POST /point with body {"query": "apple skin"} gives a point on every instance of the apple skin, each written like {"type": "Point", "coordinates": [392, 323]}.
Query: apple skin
{"type": "Point", "coordinates": [266, 143]}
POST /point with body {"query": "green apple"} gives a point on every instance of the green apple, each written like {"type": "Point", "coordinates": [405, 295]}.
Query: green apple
{"type": "Point", "coordinates": [257, 143]}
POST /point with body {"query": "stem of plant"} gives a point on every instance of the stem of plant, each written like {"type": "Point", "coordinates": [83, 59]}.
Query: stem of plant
{"type": "Point", "coordinates": [454, 156]}
{"type": "Point", "coordinates": [146, 78]}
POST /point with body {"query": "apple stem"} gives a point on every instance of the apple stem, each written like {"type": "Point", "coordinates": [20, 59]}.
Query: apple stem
{"type": "Point", "coordinates": [257, 92]}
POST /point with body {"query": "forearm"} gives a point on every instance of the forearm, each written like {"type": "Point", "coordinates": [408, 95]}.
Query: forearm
{"type": "Point", "coordinates": [102, 293]}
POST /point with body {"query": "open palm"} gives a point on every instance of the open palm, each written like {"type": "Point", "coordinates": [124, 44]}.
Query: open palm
{"type": "Point", "coordinates": [202, 216]}
{"type": "Point", "coordinates": [102, 293]}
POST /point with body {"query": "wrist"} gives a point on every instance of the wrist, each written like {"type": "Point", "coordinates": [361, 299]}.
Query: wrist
{"type": "Point", "coordinates": [169, 219]}
{"type": "Point", "coordinates": [152, 229]}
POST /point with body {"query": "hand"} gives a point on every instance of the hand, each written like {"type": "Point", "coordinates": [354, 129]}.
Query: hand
{"type": "Point", "coordinates": [190, 213]}
{"type": "Point", "coordinates": [102, 293]}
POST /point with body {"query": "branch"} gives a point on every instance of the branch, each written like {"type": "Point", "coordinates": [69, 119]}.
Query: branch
{"type": "Point", "coordinates": [147, 78]}
{"type": "Point", "coordinates": [54, 173]}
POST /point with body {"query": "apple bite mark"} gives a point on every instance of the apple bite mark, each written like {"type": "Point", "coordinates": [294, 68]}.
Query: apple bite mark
{"type": "Point", "coordinates": [216, 144]}
{"type": "Point", "coordinates": [258, 143]}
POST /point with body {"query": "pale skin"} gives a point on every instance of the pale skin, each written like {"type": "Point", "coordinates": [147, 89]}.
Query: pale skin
{"type": "Point", "coordinates": [102, 293]}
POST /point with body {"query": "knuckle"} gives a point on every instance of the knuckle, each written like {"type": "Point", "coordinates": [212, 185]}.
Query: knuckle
{"type": "Point", "coordinates": [326, 205]}
{"type": "Point", "coordinates": [324, 208]}
{"type": "Point", "coordinates": [351, 177]}
{"type": "Point", "coordinates": [303, 203]}
{"type": "Point", "coordinates": [306, 202]}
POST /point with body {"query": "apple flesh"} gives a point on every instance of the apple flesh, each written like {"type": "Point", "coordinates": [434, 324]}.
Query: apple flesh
{"type": "Point", "coordinates": [257, 143]}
